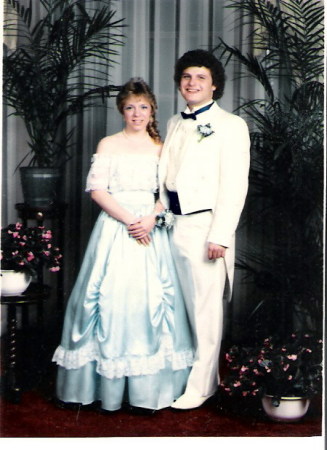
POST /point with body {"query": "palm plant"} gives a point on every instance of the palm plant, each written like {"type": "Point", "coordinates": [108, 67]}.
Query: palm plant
{"type": "Point", "coordinates": [285, 199]}
{"type": "Point", "coordinates": [42, 78]}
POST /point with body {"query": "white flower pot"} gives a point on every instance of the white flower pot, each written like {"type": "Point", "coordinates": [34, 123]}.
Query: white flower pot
{"type": "Point", "coordinates": [290, 409]}
{"type": "Point", "coordinates": [14, 283]}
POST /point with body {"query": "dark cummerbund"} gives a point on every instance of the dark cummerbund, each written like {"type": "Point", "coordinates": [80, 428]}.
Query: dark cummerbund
{"type": "Point", "coordinates": [174, 205]}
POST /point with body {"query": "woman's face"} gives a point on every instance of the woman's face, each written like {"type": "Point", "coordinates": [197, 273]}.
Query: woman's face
{"type": "Point", "coordinates": [137, 113]}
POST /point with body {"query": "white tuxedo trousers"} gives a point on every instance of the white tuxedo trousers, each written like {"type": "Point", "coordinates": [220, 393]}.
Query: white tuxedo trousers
{"type": "Point", "coordinates": [202, 283]}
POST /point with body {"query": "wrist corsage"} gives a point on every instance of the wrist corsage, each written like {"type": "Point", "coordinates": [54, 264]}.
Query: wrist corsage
{"type": "Point", "coordinates": [165, 219]}
{"type": "Point", "coordinates": [205, 131]}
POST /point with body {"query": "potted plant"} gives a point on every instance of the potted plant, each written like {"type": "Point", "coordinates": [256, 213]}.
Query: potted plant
{"type": "Point", "coordinates": [278, 372]}
{"type": "Point", "coordinates": [284, 210]}
{"type": "Point", "coordinates": [24, 251]}
{"type": "Point", "coordinates": [59, 66]}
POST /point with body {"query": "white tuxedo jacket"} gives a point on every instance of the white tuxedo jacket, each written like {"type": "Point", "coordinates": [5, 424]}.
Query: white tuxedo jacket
{"type": "Point", "coordinates": [213, 173]}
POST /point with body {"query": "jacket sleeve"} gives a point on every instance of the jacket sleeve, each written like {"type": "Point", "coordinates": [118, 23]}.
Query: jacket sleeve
{"type": "Point", "coordinates": [163, 163]}
{"type": "Point", "coordinates": [233, 181]}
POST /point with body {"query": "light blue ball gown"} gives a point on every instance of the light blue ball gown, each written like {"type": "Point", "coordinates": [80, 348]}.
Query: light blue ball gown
{"type": "Point", "coordinates": [126, 335]}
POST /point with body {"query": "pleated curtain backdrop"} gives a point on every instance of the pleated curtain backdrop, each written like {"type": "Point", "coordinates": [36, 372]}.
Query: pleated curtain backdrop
{"type": "Point", "coordinates": [157, 33]}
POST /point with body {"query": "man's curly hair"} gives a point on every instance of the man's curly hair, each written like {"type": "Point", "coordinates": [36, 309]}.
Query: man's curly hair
{"type": "Point", "coordinates": [202, 58]}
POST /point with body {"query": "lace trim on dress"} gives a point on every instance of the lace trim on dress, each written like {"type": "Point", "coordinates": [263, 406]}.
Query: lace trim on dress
{"type": "Point", "coordinates": [97, 177]}
{"type": "Point", "coordinates": [121, 172]}
{"type": "Point", "coordinates": [125, 366]}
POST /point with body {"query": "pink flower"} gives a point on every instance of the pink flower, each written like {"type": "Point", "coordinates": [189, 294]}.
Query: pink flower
{"type": "Point", "coordinates": [228, 357]}
{"type": "Point", "coordinates": [308, 350]}
{"type": "Point", "coordinates": [286, 367]}
{"type": "Point", "coordinates": [47, 235]}
{"type": "Point", "coordinates": [30, 256]}
{"type": "Point", "coordinates": [25, 245]}
{"type": "Point", "coordinates": [244, 369]}
{"type": "Point", "coordinates": [237, 383]}
{"type": "Point", "coordinates": [290, 377]}
{"type": "Point", "coordinates": [292, 357]}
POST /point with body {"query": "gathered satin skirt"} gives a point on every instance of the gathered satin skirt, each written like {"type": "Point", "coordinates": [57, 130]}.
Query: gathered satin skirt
{"type": "Point", "coordinates": [126, 335]}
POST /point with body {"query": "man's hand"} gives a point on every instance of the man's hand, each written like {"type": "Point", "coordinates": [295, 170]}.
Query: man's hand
{"type": "Point", "coordinates": [216, 251]}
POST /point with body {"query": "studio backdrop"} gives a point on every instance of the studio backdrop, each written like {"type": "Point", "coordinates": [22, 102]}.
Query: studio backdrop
{"type": "Point", "coordinates": [157, 33]}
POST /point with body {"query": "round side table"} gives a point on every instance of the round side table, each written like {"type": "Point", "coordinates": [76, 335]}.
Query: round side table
{"type": "Point", "coordinates": [33, 296]}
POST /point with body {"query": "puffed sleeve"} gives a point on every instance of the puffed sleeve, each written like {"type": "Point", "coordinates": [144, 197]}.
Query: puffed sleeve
{"type": "Point", "coordinates": [98, 176]}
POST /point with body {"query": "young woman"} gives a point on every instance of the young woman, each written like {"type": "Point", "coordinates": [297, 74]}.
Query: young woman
{"type": "Point", "coordinates": [126, 336]}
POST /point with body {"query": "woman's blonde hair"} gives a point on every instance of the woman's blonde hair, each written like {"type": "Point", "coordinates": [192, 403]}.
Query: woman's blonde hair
{"type": "Point", "coordinates": [138, 87]}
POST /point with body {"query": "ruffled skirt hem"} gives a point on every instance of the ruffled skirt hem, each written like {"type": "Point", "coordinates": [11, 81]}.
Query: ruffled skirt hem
{"type": "Point", "coordinates": [126, 366]}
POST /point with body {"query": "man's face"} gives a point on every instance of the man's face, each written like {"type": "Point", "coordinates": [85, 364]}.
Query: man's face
{"type": "Point", "coordinates": [196, 86]}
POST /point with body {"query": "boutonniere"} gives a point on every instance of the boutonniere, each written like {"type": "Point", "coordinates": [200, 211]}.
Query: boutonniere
{"type": "Point", "coordinates": [205, 131]}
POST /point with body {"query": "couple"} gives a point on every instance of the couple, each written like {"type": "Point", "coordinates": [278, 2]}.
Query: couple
{"type": "Point", "coordinates": [143, 323]}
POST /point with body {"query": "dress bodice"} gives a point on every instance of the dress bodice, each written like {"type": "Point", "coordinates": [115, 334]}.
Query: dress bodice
{"type": "Point", "coordinates": [119, 172]}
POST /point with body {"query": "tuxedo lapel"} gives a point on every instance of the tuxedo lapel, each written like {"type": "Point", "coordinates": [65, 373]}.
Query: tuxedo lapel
{"type": "Point", "coordinates": [170, 142]}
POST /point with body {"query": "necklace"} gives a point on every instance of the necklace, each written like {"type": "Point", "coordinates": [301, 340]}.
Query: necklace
{"type": "Point", "coordinates": [135, 141]}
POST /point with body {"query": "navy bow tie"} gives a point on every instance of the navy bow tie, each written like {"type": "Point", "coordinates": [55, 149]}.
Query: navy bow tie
{"type": "Point", "coordinates": [199, 111]}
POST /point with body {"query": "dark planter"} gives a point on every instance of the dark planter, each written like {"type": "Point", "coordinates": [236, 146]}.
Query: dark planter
{"type": "Point", "coordinates": [41, 186]}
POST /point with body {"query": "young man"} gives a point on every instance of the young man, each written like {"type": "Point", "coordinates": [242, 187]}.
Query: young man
{"type": "Point", "coordinates": [203, 175]}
